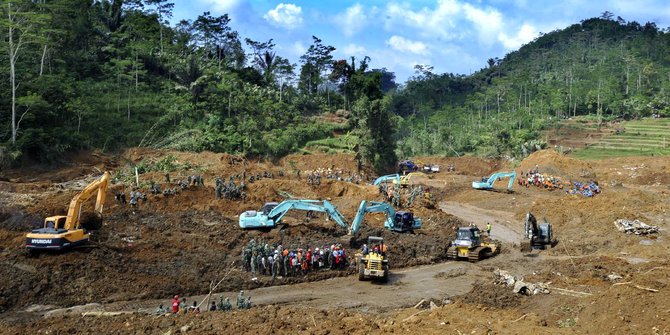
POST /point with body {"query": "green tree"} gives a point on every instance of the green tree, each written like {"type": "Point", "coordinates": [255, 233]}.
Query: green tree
{"type": "Point", "coordinates": [375, 131]}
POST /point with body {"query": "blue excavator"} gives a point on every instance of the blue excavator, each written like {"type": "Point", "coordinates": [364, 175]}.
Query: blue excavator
{"type": "Point", "coordinates": [389, 178]}
{"type": "Point", "coordinates": [487, 183]}
{"type": "Point", "coordinates": [401, 221]}
{"type": "Point", "coordinates": [272, 212]}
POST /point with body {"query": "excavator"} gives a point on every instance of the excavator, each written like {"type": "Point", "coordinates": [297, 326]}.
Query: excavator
{"type": "Point", "coordinates": [404, 180]}
{"type": "Point", "coordinates": [393, 178]}
{"type": "Point", "coordinates": [539, 235]}
{"type": "Point", "coordinates": [270, 215]}
{"type": "Point", "coordinates": [469, 245]}
{"type": "Point", "coordinates": [61, 232]}
{"type": "Point", "coordinates": [487, 183]}
{"type": "Point", "coordinates": [401, 221]}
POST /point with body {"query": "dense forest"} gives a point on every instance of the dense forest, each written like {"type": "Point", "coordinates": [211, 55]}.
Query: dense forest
{"type": "Point", "coordinates": [112, 74]}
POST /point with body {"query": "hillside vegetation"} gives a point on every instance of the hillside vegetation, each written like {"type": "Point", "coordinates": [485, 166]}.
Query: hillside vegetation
{"type": "Point", "coordinates": [602, 67]}
{"type": "Point", "coordinates": [114, 74]}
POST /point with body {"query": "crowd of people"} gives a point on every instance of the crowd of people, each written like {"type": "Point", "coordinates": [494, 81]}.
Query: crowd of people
{"type": "Point", "coordinates": [230, 190]}
{"type": "Point", "coordinates": [588, 189]}
{"type": "Point", "coordinates": [260, 258]}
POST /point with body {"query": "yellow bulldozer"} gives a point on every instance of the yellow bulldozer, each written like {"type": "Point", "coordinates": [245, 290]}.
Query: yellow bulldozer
{"type": "Point", "coordinates": [469, 245]}
{"type": "Point", "coordinates": [373, 264]}
{"type": "Point", "coordinates": [66, 231]}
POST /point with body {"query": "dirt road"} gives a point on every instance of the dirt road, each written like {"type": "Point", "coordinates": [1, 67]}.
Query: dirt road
{"type": "Point", "coordinates": [504, 227]}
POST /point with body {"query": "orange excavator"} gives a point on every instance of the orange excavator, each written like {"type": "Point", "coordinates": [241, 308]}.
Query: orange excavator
{"type": "Point", "coordinates": [61, 232]}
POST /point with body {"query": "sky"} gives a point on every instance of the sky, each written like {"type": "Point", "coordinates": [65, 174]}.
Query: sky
{"type": "Point", "coordinates": [454, 36]}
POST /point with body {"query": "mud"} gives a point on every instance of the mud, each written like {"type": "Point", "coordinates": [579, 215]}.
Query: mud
{"type": "Point", "coordinates": [183, 243]}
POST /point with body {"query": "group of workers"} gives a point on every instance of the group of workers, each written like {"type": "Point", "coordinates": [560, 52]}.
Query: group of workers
{"type": "Point", "coordinates": [230, 190]}
{"type": "Point", "coordinates": [263, 259]}
{"type": "Point", "coordinates": [180, 307]}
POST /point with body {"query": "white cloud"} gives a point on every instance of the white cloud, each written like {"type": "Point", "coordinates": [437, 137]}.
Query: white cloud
{"type": "Point", "coordinates": [525, 34]}
{"type": "Point", "coordinates": [440, 21]}
{"type": "Point", "coordinates": [352, 49]}
{"type": "Point", "coordinates": [285, 15]}
{"type": "Point", "coordinates": [488, 23]}
{"type": "Point", "coordinates": [402, 44]}
{"type": "Point", "coordinates": [299, 48]}
{"type": "Point", "coordinates": [353, 19]}
{"type": "Point", "coordinates": [221, 6]}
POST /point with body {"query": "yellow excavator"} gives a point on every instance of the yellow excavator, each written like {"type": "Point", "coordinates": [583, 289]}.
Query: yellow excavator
{"type": "Point", "coordinates": [61, 232]}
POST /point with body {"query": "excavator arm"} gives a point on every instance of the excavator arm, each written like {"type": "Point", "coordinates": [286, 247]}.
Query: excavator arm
{"type": "Point", "coordinates": [530, 226]}
{"type": "Point", "coordinates": [73, 218]}
{"type": "Point", "coordinates": [277, 213]}
{"type": "Point", "coordinates": [372, 207]}
{"type": "Point", "coordinates": [488, 183]}
{"type": "Point", "coordinates": [389, 178]}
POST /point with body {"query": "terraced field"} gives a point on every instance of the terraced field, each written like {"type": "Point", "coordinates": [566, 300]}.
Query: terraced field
{"type": "Point", "coordinates": [646, 137]}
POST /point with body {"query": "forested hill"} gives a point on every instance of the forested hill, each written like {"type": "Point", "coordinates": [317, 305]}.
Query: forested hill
{"type": "Point", "coordinates": [604, 67]}
{"type": "Point", "coordinates": [112, 74]}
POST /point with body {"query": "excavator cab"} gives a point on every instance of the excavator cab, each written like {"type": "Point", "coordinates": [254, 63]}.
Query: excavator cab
{"type": "Point", "coordinates": [268, 207]}
{"type": "Point", "coordinates": [404, 221]}
{"type": "Point", "coordinates": [53, 223]}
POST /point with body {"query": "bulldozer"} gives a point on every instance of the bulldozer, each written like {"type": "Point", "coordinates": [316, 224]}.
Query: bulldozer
{"type": "Point", "coordinates": [67, 231]}
{"type": "Point", "coordinates": [374, 264]}
{"type": "Point", "coordinates": [469, 245]}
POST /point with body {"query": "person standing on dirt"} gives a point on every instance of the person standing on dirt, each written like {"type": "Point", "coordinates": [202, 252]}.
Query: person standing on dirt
{"type": "Point", "coordinates": [175, 304]}
{"type": "Point", "coordinates": [240, 300]}
{"type": "Point", "coordinates": [488, 229]}
{"type": "Point", "coordinates": [167, 178]}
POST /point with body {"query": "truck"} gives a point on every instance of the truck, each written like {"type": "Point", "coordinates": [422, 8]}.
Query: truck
{"type": "Point", "coordinates": [66, 231]}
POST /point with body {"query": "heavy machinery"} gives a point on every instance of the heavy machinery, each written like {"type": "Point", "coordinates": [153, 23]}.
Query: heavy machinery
{"type": "Point", "coordinates": [61, 232]}
{"type": "Point", "coordinates": [405, 180]}
{"type": "Point", "coordinates": [487, 183]}
{"type": "Point", "coordinates": [401, 221]}
{"type": "Point", "coordinates": [395, 179]}
{"type": "Point", "coordinates": [539, 236]}
{"type": "Point", "coordinates": [389, 178]}
{"type": "Point", "coordinates": [271, 213]}
{"type": "Point", "coordinates": [469, 245]}
{"type": "Point", "coordinates": [374, 264]}
{"type": "Point", "coordinates": [428, 167]}
{"type": "Point", "coordinates": [407, 166]}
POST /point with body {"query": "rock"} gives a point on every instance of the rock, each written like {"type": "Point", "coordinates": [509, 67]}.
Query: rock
{"type": "Point", "coordinates": [184, 329]}
{"type": "Point", "coordinates": [165, 323]}
{"type": "Point", "coordinates": [432, 306]}
{"type": "Point", "coordinates": [613, 277]}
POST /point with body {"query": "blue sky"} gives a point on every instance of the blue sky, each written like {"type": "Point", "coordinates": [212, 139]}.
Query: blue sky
{"type": "Point", "coordinates": [455, 36]}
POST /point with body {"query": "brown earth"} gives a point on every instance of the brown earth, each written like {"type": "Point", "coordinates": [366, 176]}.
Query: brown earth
{"type": "Point", "coordinates": [180, 244]}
